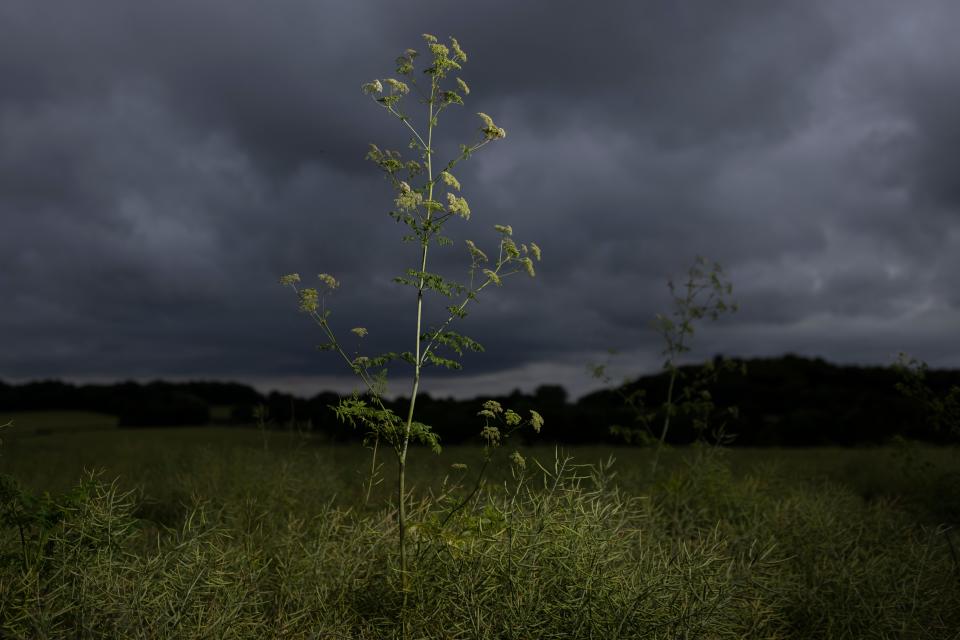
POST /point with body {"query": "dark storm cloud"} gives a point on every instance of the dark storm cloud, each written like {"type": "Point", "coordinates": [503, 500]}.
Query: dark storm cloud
{"type": "Point", "coordinates": [161, 164]}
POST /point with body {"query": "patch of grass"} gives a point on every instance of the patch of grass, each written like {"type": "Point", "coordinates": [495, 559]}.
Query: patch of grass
{"type": "Point", "coordinates": [47, 422]}
{"type": "Point", "coordinates": [152, 459]}
{"type": "Point", "coordinates": [208, 534]}
{"type": "Point", "coordinates": [254, 545]}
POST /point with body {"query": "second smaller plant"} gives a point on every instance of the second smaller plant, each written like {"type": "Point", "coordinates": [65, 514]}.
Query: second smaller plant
{"type": "Point", "coordinates": [705, 293]}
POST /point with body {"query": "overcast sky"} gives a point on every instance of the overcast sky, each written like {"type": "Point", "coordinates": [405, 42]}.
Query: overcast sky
{"type": "Point", "coordinates": [162, 164]}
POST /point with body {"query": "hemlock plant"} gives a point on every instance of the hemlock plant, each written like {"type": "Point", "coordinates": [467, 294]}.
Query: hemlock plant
{"type": "Point", "coordinates": [427, 197]}
{"type": "Point", "coordinates": [705, 293]}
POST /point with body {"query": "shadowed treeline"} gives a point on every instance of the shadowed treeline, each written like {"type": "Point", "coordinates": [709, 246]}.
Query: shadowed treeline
{"type": "Point", "coordinates": [784, 401]}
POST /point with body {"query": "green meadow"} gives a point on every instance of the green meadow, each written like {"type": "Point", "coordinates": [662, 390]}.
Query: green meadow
{"type": "Point", "coordinates": [233, 532]}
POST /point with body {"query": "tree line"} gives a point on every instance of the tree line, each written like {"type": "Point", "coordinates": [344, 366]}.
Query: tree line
{"type": "Point", "coordinates": [783, 401]}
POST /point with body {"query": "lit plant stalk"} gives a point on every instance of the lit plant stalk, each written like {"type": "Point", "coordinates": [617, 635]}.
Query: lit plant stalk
{"type": "Point", "coordinates": [425, 217]}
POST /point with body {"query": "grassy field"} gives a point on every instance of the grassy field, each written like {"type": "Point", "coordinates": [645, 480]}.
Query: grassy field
{"type": "Point", "coordinates": [229, 532]}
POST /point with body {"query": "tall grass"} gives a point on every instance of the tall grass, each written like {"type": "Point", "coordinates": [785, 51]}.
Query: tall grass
{"type": "Point", "coordinates": [558, 551]}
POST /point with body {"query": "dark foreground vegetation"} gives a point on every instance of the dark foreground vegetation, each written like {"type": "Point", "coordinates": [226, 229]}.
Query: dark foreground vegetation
{"type": "Point", "coordinates": [224, 532]}
{"type": "Point", "coordinates": [786, 401]}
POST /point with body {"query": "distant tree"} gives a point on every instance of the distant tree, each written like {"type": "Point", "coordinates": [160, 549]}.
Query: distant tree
{"type": "Point", "coordinates": [942, 411]}
{"type": "Point", "coordinates": [162, 405]}
{"type": "Point", "coordinates": [550, 395]}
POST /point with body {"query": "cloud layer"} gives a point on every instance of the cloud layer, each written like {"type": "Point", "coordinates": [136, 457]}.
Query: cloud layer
{"type": "Point", "coordinates": [161, 165]}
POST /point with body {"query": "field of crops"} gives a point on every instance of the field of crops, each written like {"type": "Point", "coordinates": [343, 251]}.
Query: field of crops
{"type": "Point", "coordinates": [213, 532]}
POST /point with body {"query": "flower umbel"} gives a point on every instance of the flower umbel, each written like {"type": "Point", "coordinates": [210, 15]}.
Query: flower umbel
{"type": "Point", "coordinates": [309, 300]}
{"type": "Point", "coordinates": [490, 130]}
{"type": "Point", "coordinates": [328, 280]}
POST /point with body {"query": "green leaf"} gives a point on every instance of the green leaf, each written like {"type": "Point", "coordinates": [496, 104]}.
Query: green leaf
{"type": "Point", "coordinates": [422, 433]}
{"type": "Point", "coordinates": [456, 311]}
{"type": "Point", "coordinates": [432, 282]}
{"type": "Point", "coordinates": [431, 358]}
{"type": "Point", "coordinates": [358, 414]}
{"type": "Point", "coordinates": [453, 341]}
